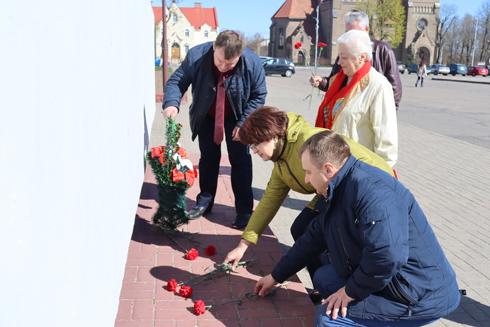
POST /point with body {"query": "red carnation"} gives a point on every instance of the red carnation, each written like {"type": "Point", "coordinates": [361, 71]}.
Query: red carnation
{"type": "Point", "coordinates": [199, 307]}
{"type": "Point", "coordinates": [157, 152]}
{"type": "Point", "coordinates": [185, 291]}
{"type": "Point", "coordinates": [210, 250]}
{"type": "Point", "coordinates": [321, 45]}
{"type": "Point", "coordinates": [297, 45]}
{"type": "Point", "coordinates": [172, 285]}
{"type": "Point", "coordinates": [192, 254]}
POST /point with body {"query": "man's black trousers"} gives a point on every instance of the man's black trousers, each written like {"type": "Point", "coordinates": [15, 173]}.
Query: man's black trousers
{"type": "Point", "coordinates": [241, 167]}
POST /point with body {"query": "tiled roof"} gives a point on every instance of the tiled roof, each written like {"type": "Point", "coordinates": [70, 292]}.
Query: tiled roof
{"type": "Point", "coordinates": [157, 12]}
{"type": "Point", "coordinates": [199, 16]}
{"type": "Point", "coordinates": [296, 9]}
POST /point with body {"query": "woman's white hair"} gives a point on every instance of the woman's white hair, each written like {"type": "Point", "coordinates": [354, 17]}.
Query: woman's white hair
{"type": "Point", "coordinates": [357, 43]}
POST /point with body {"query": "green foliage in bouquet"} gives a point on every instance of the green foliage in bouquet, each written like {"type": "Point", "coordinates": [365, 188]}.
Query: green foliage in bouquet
{"type": "Point", "coordinates": [175, 174]}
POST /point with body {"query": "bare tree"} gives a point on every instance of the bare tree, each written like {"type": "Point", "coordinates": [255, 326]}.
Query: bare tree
{"type": "Point", "coordinates": [484, 35]}
{"type": "Point", "coordinates": [447, 16]}
{"type": "Point", "coordinates": [254, 43]}
{"type": "Point", "coordinates": [453, 43]}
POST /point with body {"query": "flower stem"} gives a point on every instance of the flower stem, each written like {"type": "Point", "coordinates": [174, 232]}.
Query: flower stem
{"type": "Point", "coordinates": [221, 268]}
{"type": "Point", "coordinates": [186, 235]}
{"type": "Point", "coordinates": [248, 296]}
{"type": "Point", "coordinates": [173, 239]}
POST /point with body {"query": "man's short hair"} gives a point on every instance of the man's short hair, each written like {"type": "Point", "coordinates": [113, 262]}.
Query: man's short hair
{"type": "Point", "coordinates": [231, 42]}
{"type": "Point", "coordinates": [326, 146]}
{"type": "Point", "coordinates": [357, 16]}
{"type": "Point", "coordinates": [357, 43]}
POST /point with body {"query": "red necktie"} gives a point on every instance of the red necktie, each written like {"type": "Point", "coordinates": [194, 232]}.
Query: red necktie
{"type": "Point", "coordinates": [219, 119]}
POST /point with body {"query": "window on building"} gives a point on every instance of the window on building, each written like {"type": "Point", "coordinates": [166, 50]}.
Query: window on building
{"type": "Point", "coordinates": [175, 19]}
{"type": "Point", "coordinates": [186, 33]}
{"type": "Point", "coordinates": [281, 38]}
{"type": "Point", "coordinates": [206, 34]}
{"type": "Point", "coordinates": [186, 49]}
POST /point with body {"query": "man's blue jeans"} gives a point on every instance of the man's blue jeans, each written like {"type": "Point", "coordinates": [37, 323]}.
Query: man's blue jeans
{"type": "Point", "coordinates": [327, 282]}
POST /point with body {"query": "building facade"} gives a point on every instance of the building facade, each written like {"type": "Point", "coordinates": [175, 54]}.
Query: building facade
{"type": "Point", "coordinates": [295, 21]}
{"type": "Point", "coordinates": [186, 28]}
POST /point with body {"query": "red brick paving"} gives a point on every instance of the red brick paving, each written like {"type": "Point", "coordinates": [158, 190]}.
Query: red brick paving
{"type": "Point", "coordinates": [154, 259]}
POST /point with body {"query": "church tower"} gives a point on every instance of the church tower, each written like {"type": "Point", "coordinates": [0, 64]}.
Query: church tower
{"type": "Point", "coordinates": [421, 27]}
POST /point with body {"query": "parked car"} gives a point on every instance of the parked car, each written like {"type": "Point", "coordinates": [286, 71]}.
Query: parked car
{"type": "Point", "coordinates": [457, 69]}
{"type": "Point", "coordinates": [282, 66]}
{"type": "Point", "coordinates": [413, 68]}
{"type": "Point", "coordinates": [401, 67]}
{"type": "Point", "coordinates": [439, 69]}
{"type": "Point", "coordinates": [264, 57]}
{"type": "Point", "coordinates": [477, 70]}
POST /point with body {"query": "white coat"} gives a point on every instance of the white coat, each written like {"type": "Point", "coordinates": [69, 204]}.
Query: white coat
{"type": "Point", "coordinates": [368, 116]}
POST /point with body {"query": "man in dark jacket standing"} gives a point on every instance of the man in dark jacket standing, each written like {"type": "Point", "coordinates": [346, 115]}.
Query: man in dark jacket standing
{"type": "Point", "coordinates": [384, 60]}
{"type": "Point", "coordinates": [387, 266]}
{"type": "Point", "coordinates": [228, 83]}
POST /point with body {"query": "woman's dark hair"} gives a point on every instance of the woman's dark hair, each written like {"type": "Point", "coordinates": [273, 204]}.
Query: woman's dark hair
{"type": "Point", "coordinates": [263, 124]}
{"type": "Point", "coordinates": [422, 62]}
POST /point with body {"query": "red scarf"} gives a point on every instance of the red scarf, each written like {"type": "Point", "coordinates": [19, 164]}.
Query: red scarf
{"type": "Point", "coordinates": [325, 116]}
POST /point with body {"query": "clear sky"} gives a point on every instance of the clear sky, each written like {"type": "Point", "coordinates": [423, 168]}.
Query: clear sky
{"type": "Point", "coordinates": [254, 16]}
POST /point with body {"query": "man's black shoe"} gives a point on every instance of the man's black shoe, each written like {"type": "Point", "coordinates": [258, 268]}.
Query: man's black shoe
{"type": "Point", "coordinates": [315, 297]}
{"type": "Point", "coordinates": [241, 221]}
{"type": "Point", "coordinates": [197, 212]}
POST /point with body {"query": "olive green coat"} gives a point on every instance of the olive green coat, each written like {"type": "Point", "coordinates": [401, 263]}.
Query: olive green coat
{"type": "Point", "coordinates": [288, 174]}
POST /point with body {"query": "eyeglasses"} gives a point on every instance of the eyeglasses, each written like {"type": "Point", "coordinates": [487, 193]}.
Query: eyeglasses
{"type": "Point", "coordinates": [253, 147]}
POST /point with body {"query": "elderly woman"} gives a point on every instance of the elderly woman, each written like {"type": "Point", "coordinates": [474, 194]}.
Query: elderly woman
{"type": "Point", "coordinates": [359, 102]}
{"type": "Point", "coordinates": [277, 136]}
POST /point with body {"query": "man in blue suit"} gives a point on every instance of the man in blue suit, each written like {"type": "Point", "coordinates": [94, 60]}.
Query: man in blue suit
{"type": "Point", "coordinates": [228, 83]}
{"type": "Point", "coordinates": [387, 267]}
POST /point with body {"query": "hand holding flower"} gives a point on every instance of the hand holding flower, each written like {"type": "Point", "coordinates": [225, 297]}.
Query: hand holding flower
{"type": "Point", "coordinates": [264, 285]}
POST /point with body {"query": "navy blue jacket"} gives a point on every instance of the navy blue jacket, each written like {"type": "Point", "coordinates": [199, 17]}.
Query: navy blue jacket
{"type": "Point", "coordinates": [245, 88]}
{"type": "Point", "coordinates": [381, 243]}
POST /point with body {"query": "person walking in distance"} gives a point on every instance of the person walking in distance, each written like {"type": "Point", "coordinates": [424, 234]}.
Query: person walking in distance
{"type": "Point", "coordinates": [421, 73]}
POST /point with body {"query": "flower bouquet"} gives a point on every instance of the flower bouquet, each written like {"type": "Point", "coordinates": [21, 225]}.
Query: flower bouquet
{"type": "Point", "coordinates": [321, 46]}
{"type": "Point", "coordinates": [175, 174]}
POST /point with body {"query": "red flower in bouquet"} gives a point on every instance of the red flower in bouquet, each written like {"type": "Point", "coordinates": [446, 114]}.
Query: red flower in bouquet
{"type": "Point", "coordinates": [157, 152]}
{"type": "Point", "coordinates": [177, 175]}
{"type": "Point", "coordinates": [172, 285]}
{"type": "Point", "coordinates": [298, 45]}
{"type": "Point", "coordinates": [210, 250]}
{"type": "Point", "coordinates": [199, 307]}
{"type": "Point", "coordinates": [322, 45]}
{"type": "Point", "coordinates": [182, 153]}
{"type": "Point", "coordinates": [192, 254]}
{"type": "Point", "coordinates": [195, 172]}
{"type": "Point", "coordinates": [185, 291]}
{"type": "Point", "coordinates": [189, 177]}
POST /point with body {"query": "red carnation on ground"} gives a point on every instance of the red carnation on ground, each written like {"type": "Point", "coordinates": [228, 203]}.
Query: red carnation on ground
{"type": "Point", "coordinates": [321, 45]}
{"type": "Point", "coordinates": [210, 250]}
{"type": "Point", "coordinates": [185, 291]}
{"type": "Point", "coordinates": [192, 254]}
{"type": "Point", "coordinates": [172, 285]}
{"type": "Point", "coordinates": [297, 45]}
{"type": "Point", "coordinates": [199, 307]}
